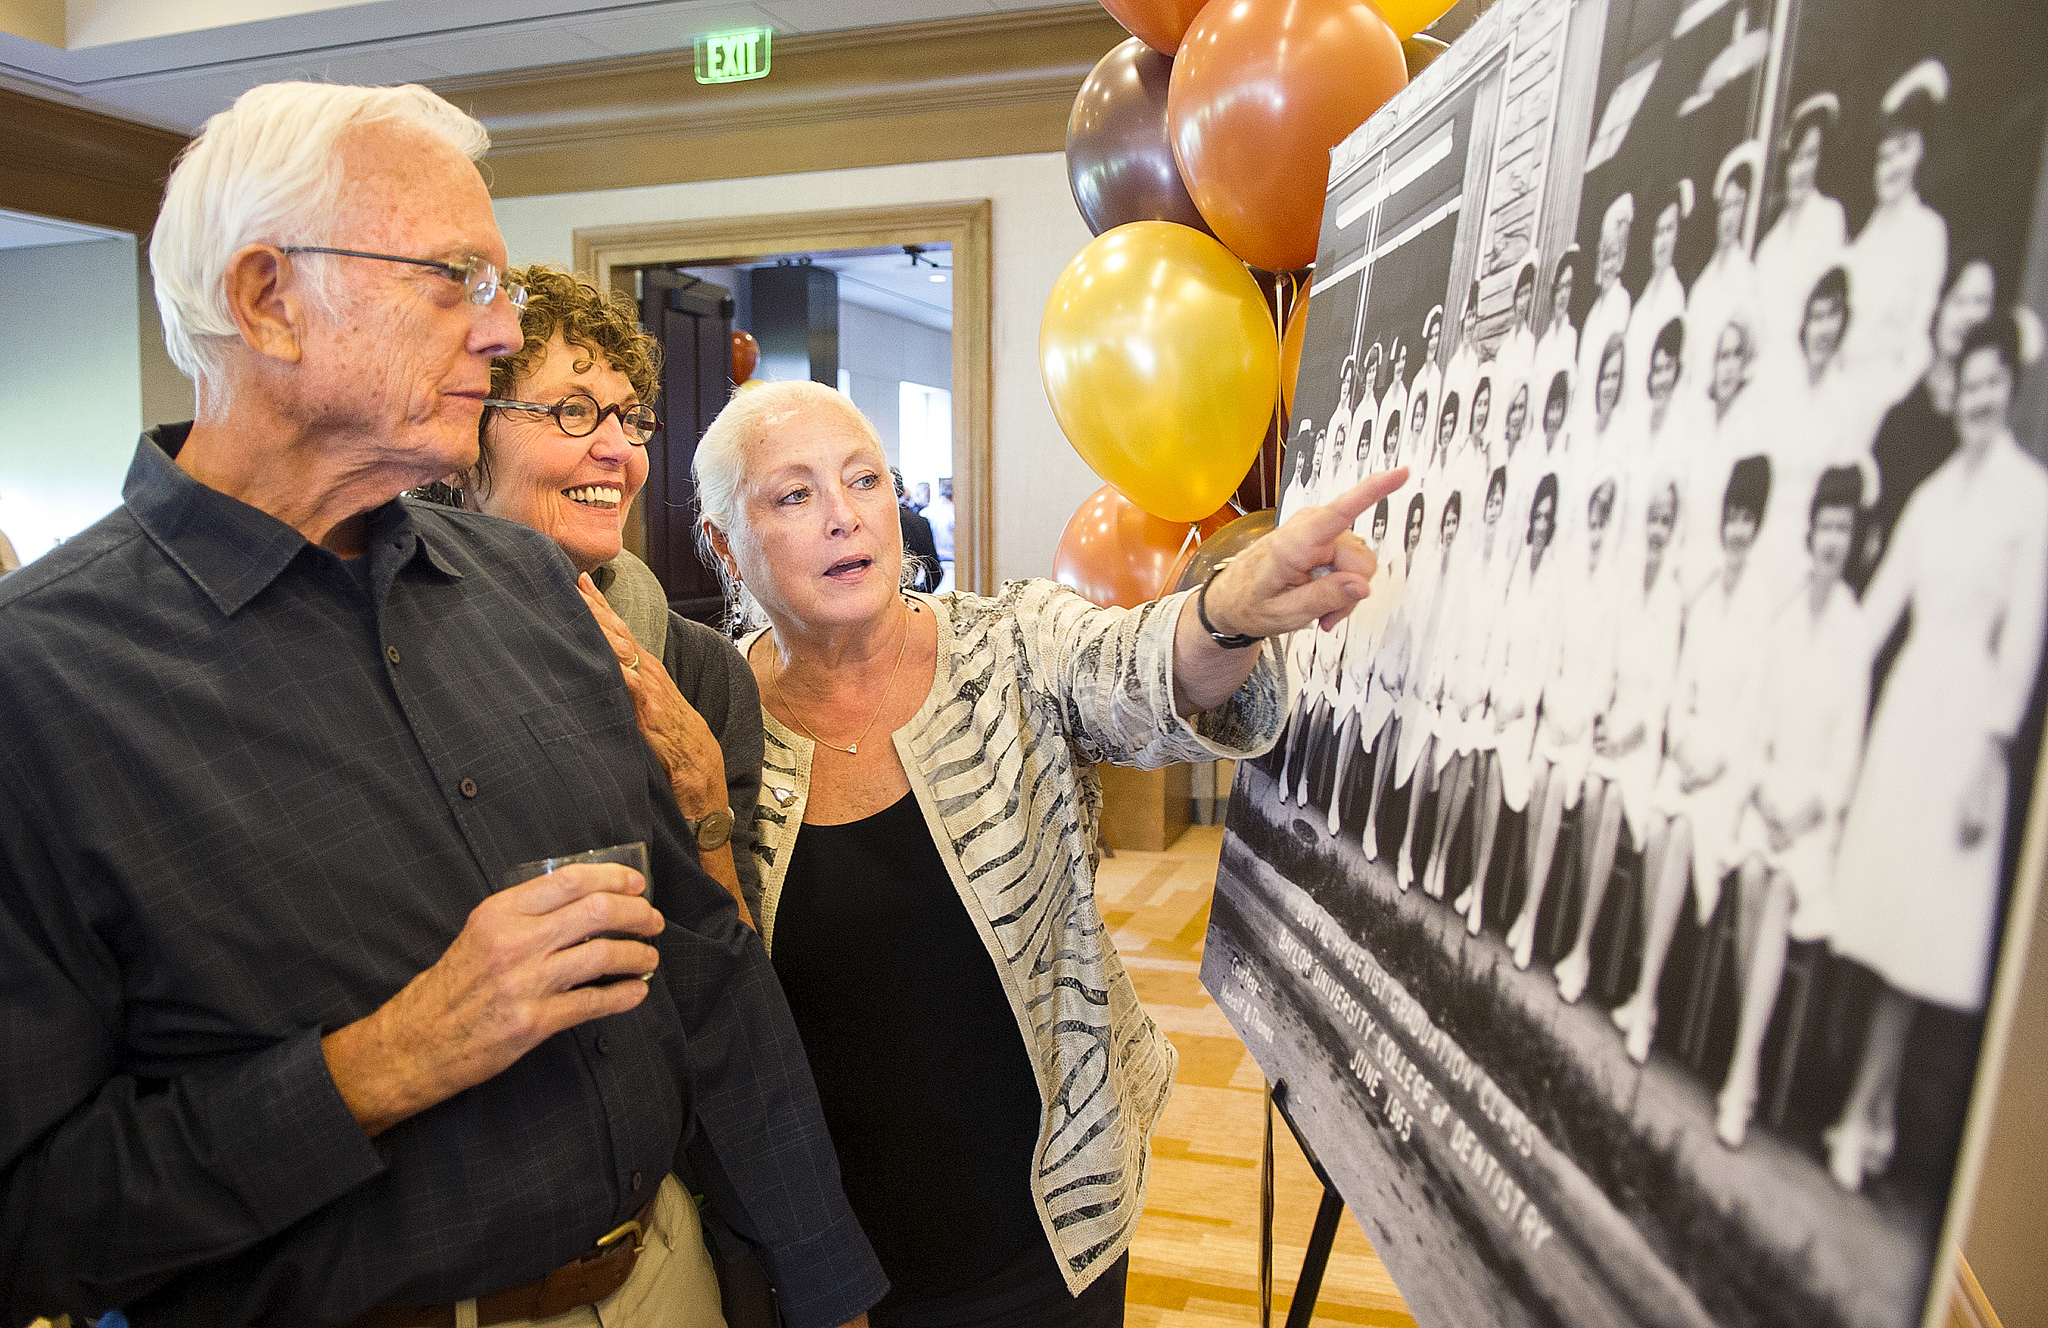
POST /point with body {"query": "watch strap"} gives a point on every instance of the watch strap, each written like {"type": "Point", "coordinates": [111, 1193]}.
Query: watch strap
{"type": "Point", "coordinates": [1228, 640]}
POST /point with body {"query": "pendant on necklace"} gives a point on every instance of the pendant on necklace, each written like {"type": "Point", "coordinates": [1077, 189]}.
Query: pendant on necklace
{"type": "Point", "coordinates": [853, 749]}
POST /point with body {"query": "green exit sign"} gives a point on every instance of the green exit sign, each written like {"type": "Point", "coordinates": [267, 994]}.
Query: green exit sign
{"type": "Point", "coordinates": [733, 57]}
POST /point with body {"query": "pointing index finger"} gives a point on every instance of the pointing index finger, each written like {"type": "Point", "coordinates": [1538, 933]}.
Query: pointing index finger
{"type": "Point", "coordinates": [1354, 501]}
{"type": "Point", "coordinates": [1319, 525]}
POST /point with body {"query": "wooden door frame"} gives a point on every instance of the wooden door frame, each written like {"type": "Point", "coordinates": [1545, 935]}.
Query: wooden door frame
{"type": "Point", "coordinates": [604, 252]}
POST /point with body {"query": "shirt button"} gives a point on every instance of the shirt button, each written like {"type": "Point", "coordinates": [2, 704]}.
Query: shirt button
{"type": "Point", "coordinates": [391, 653]}
{"type": "Point", "coordinates": [604, 1044]}
{"type": "Point", "coordinates": [468, 787]}
{"type": "Point", "coordinates": [636, 1182]}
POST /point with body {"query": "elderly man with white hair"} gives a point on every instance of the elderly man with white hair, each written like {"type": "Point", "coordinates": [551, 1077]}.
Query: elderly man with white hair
{"type": "Point", "coordinates": [282, 1045]}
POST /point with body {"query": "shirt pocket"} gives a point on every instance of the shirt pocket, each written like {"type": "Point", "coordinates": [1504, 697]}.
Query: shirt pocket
{"type": "Point", "coordinates": [597, 757]}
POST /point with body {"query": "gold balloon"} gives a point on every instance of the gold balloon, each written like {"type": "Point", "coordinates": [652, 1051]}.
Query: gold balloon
{"type": "Point", "coordinates": [1162, 365]}
{"type": "Point", "coordinates": [1408, 17]}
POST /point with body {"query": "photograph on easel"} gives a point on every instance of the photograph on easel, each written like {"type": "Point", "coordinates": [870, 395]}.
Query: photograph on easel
{"type": "Point", "coordinates": [1624, 904]}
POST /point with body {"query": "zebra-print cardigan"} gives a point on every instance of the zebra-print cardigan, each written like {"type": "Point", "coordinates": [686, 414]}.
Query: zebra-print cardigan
{"type": "Point", "coordinates": [1032, 688]}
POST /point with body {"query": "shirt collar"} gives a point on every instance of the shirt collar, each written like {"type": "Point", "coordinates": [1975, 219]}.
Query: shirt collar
{"type": "Point", "coordinates": [231, 550]}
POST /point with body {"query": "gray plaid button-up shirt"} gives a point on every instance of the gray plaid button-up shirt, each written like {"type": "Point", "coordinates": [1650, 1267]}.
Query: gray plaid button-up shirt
{"type": "Point", "coordinates": [247, 792]}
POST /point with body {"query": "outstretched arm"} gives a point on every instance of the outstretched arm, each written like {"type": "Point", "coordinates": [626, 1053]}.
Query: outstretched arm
{"type": "Point", "coordinates": [1312, 568]}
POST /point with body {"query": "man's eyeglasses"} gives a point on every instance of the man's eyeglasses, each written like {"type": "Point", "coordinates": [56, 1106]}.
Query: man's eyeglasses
{"type": "Point", "coordinates": [578, 414]}
{"type": "Point", "coordinates": [478, 276]}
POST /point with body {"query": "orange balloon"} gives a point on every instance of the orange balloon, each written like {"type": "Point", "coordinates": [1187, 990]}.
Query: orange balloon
{"type": "Point", "coordinates": [746, 355]}
{"type": "Point", "coordinates": [1117, 554]}
{"type": "Point", "coordinates": [1261, 91]}
{"type": "Point", "coordinates": [1157, 23]}
{"type": "Point", "coordinates": [1290, 349]}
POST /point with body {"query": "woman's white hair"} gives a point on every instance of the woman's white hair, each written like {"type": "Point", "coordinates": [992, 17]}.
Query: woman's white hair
{"type": "Point", "coordinates": [720, 469]}
{"type": "Point", "coordinates": [266, 170]}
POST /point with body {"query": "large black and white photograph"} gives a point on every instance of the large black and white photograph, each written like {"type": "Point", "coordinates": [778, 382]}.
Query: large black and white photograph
{"type": "Point", "coordinates": [1623, 905]}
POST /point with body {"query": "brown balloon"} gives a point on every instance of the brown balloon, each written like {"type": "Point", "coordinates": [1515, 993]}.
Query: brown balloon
{"type": "Point", "coordinates": [746, 355]}
{"type": "Point", "coordinates": [1158, 23]}
{"type": "Point", "coordinates": [1262, 90]}
{"type": "Point", "coordinates": [1421, 51]}
{"type": "Point", "coordinates": [1117, 554]}
{"type": "Point", "coordinates": [1118, 160]}
{"type": "Point", "coordinates": [1193, 567]}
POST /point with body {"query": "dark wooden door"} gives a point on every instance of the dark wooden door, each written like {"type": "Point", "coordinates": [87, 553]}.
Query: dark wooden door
{"type": "Point", "coordinates": [692, 319]}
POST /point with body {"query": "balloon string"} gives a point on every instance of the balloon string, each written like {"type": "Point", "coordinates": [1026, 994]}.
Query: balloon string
{"type": "Point", "coordinates": [1193, 539]}
{"type": "Point", "coordinates": [1278, 386]}
{"type": "Point", "coordinates": [1283, 306]}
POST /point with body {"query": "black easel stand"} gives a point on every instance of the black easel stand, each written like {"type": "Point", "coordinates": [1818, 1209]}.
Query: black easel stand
{"type": "Point", "coordinates": [1321, 1238]}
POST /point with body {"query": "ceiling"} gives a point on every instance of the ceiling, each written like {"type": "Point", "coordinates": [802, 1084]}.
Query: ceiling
{"type": "Point", "coordinates": [886, 280]}
{"type": "Point", "coordinates": [883, 279]}
{"type": "Point", "coordinates": [172, 63]}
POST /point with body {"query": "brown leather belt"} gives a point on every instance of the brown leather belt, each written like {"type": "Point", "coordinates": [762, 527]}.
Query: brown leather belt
{"type": "Point", "coordinates": [584, 1281]}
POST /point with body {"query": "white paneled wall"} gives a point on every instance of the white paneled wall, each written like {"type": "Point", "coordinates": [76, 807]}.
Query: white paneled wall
{"type": "Point", "coordinates": [879, 352]}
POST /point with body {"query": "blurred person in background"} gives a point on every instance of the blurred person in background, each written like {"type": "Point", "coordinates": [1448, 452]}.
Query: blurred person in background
{"type": "Point", "coordinates": [919, 547]}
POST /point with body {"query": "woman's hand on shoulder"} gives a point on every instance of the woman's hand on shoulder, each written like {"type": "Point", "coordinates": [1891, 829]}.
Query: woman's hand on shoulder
{"type": "Point", "coordinates": [681, 739]}
{"type": "Point", "coordinates": [1312, 568]}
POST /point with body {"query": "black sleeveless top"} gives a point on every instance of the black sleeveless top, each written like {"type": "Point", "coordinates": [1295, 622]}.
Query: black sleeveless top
{"type": "Point", "coordinates": [924, 1078]}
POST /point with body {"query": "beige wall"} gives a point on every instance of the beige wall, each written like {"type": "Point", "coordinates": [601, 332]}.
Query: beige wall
{"type": "Point", "coordinates": [1038, 479]}
{"type": "Point", "coordinates": [95, 353]}
{"type": "Point", "coordinates": [70, 395]}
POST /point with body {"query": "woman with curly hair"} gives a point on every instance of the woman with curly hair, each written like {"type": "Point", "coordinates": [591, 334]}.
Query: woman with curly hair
{"type": "Point", "coordinates": [563, 448]}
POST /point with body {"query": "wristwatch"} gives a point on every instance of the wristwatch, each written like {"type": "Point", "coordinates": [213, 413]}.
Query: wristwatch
{"type": "Point", "coordinates": [711, 830]}
{"type": "Point", "coordinates": [1228, 640]}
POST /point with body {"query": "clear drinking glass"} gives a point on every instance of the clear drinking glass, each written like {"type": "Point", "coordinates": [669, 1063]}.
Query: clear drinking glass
{"type": "Point", "coordinates": [633, 854]}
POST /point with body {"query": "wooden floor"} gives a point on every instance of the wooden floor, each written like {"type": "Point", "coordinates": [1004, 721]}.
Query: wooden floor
{"type": "Point", "coordinates": [1195, 1261]}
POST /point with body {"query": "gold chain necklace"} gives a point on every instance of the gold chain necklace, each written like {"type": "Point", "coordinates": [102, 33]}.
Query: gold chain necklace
{"type": "Point", "coordinates": [775, 685]}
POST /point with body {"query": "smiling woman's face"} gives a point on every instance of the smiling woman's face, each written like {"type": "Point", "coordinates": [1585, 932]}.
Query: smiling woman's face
{"type": "Point", "coordinates": [576, 491]}
{"type": "Point", "coordinates": [820, 542]}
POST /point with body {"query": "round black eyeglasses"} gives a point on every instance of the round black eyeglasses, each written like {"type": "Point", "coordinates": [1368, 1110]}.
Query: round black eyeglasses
{"type": "Point", "coordinates": [578, 415]}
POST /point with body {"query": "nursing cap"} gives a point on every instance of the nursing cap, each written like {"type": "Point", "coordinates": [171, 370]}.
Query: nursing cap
{"type": "Point", "coordinates": [1748, 153]}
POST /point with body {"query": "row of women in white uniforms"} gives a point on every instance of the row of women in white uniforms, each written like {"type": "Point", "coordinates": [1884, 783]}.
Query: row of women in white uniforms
{"type": "Point", "coordinates": [1896, 261]}
{"type": "Point", "coordinates": [1477, 640]}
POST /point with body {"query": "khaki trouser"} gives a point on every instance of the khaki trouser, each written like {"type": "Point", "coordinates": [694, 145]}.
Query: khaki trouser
{"type": "Point", "coordinates": [672, 1286]}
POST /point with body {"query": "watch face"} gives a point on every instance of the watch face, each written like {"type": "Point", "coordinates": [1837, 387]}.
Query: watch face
{"type": "Point", "coordinates": [713, 829]}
